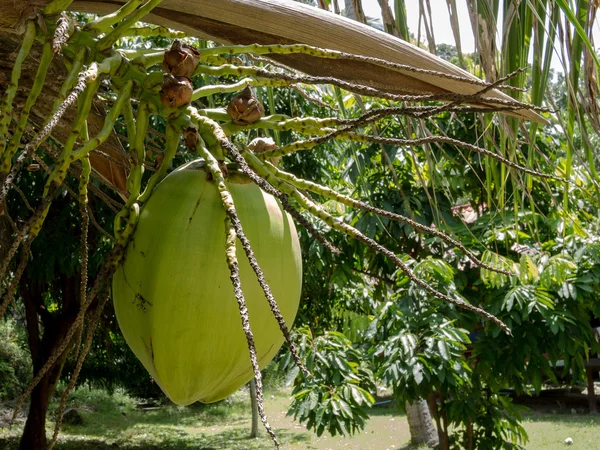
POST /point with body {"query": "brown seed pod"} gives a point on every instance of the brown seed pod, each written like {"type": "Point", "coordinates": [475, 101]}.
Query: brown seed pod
{"type": "Point", "coordinates": [262, 144]}
{"type": "Point", "coordinates": [176, 91]}
{"type": "Point", "coordinates": [190, 137]}
{"type": "Point", "coordinates": [244, 108]}
{"type": "Point", "coordinates": [181, 60]}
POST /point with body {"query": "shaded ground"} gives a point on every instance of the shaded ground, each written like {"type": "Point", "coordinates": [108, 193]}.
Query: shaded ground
{"type": "Point", "coordinates": [117, 423]}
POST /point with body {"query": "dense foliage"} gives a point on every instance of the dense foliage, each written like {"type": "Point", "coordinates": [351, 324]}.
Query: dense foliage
{"type": "Point", "coordinates": [15, 361]}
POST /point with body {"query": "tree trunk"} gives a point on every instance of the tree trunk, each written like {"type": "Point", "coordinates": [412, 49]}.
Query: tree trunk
{"type": "Point", "coordinates": [34, 434]}
{"type": "Point", "coordinates": [469, 445]}
{"type": "Point", "coordinates": [421, 426]}
{"type": "Point", "coordinates": [254, 405]}
{"type": "Point", "coordinates": [55, 327]}
{"type": "Point", "coordinates": [442, 430]}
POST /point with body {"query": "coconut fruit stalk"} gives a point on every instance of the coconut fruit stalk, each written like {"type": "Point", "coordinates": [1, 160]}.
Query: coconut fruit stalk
{"type": "Point", "coordinates": [173, 296]}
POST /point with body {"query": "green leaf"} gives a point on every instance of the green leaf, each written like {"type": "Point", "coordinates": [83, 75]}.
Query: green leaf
{"type": "Point", "coordinates": [313, 399]}
{"type": "Point", "coordinates": [345, 409]}
{"type": "Point", "coordinates": [367, 395]}
{"type": "Point", "coordinates": [443, 350]}
{"type": "Point", "coordinates": [301, 394]}
{"type": "Point", "coordinates": [417, 371]}
{"type": "Point", "coordinates": [580, 31]}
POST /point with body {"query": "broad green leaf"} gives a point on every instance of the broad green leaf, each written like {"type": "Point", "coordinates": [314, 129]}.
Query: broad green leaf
{"type": "Point", "coordinates": [443, 350]}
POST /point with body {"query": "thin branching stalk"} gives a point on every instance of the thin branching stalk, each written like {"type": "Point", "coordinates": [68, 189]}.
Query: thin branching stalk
{"type": "Point", "coordinates": [309, 98]}
{"type": "Point", "coordinates": [279, 49]}
{"type": "Point", "coordinates": [58, 111]}
{"type": "Point", "coordinates": [75, 170]}
{"type": "Point", "coordinates": [25, 230]}
{"type": "Point", "coordinates": [36, 88]}
{"type": "Point", "coordinates": [491, 86]}
{"type": "Point", "coordinates": [116, 33]}
{"type": "Point", "coordinates": [58, 174]}
{"type": "Point", "coordinates": [230, 210]}
{"type": "Point", "coordinates": [136, 132]}
{"type": "Point", "coordinates": [23, 197]}
{"type": "Point", "coordinates": [100, 283]}
{"type": "Point", "coordinates": [77, 343]}
{"type": "Point", "coordinates": [252, 163]}
{"type": "Point", "coordinates": [11, 90]}
{"type": "Point", "coordinates": [92, 325]}
{"type": "Point", "coordinates": [95, 190]}
{"type": "Point", "coordinates": [76, 81]}
{"type": "Point", "coordinates": [67, 156]}
{"type": "Point", "coordinates": [343, 134]}
{"type": "Point", "coordinates": [88, 76]}
{"type": "Point", "coordinates": [155, 31]}
{"type": "Point", "coordinates": [104, 24]}
{"type": "Point", "coordinates": [280, 122]}
{"type": "Point", "coordinates": [210, 130]}
{"type": "Point", "coordinates": [85, 223]}
{"type": "Point", "coordinates": [12, 288]}
{"type": "Point", "coordinates": [321, 127]}
{"type": "Point", "coordinates": [123, 97]}
{"type": "Point", "coordinates": [262, 77]}
{"type": "Point", "coordinates": [232, 263]}
{"type": "Point", "coordinates": [287, 206]}
{"type": "Point", "coordinates": [61, 34]}
{"type": "Point", "coordinates": [353, 203]}
{"type": "Point", "coordinates": [173, 135]}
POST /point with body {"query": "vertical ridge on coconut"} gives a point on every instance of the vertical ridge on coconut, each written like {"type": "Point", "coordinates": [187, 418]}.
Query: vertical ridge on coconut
{"type": "Point", "coordinates": [173, 296]}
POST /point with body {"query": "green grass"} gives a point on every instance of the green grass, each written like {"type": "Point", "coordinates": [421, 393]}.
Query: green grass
{"type": "Point", "coordinates": [549, 431]}
{"type": "Point", "coordinates": [115, 422]}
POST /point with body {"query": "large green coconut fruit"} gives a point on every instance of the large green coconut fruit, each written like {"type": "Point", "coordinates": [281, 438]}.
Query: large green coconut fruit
{"type": "Point", "coordinates": [173, 296]}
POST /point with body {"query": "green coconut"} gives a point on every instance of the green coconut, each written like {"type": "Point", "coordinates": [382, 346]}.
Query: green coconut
{"type": "Point", "coordinates": [173, 296]}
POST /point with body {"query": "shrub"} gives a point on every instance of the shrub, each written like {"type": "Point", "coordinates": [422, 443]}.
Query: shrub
{"type": "Point", "coordinates": [15, 361]}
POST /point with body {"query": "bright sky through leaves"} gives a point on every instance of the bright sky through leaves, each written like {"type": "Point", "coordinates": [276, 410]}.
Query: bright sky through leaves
{"type": "Point", "coordinates": [441, 24]}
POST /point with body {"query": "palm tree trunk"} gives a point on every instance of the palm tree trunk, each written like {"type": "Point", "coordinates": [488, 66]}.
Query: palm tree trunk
{"type": "Point", "coordinates": [420, 424]}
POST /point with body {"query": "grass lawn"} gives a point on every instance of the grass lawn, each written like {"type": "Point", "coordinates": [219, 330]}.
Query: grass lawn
{"type": "Point", "coordinates": [548, 432]}
{"type": "Point", "coordinates": [114, 422]}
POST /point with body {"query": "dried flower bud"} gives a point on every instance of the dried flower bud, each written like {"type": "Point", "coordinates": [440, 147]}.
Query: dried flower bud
{"type": "Point", "coordinates": [181, 60]}
{"type": "Point", "coordinates": [244, 108]}
{"type": "Point", "coordinates": [223, 168]}
{"type": "Point", "coordinates": [176, 91]}
{"type": "Point", "coordinates": [261, 145]}
{"type": "Point", "coordinates": [190, 137]}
